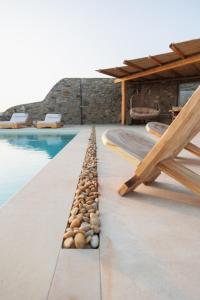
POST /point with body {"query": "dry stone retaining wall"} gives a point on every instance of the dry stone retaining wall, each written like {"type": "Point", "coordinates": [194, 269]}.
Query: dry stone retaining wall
{"type": "Point", "coordinates": [98, 100]}
{"type": "Point", "coordinates": [80, 101]}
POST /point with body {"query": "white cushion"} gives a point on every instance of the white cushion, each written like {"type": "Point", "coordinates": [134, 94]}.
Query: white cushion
{"type": "Point", "coordinates": [19, 118]}
{"type": "Point", "coordinates": [53, 118]}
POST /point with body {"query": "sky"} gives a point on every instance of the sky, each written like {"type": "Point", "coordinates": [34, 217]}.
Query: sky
{"type": "Point", "coordinates": [44, 41]}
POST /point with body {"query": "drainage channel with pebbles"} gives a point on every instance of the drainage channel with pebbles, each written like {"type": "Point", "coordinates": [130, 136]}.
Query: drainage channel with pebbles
{"type": "Point", "coordinates": [83, 226]}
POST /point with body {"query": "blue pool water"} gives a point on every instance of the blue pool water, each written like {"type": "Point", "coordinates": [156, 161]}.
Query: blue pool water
{"type": "Point", "coordinates": [24, 155]}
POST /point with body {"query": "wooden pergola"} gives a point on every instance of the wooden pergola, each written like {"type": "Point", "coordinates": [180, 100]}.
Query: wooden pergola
{"type": "Point", "coordinates": [181, 63]}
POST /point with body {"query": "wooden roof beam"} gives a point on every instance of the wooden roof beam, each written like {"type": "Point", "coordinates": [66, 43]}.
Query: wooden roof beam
{"type": "Point", "coordinates": [130, 64]}
{"type": "Point", "coordinates": [176, 73]}
{"type": "Point", "coordinates": [176, 50]}
{"type": "Point", "coordinates": [159, 63]}
{"type": "Point", "coordinates": [105, 72]}
{"type": "Point", "coordinates": [156, 60]}
{"type": "Point", "coordinates": [196, 68]}
{"type": "Point", "coordinates": [179, 79]}
{"type": "Point", "coordinates": [120, 69]}
{"type": "Point", "coordinates": [159, 69]}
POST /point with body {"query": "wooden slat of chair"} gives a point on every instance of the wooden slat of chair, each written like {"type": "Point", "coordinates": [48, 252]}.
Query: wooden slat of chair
{"type": "Point", "coordinates": [172, 168]}
{"type": "Point", "coordinates": [181, 174]}
{"type": "Point", "coordinates": [128, 143]}
{"type": "Point", "coordinates": [117, 141]}
{"type": "Point", "coordinates": [185, 127]}
{"type": "Point", "coordinates": [133, 147]}
{"type": "Point", "coordinates": [158, 129]}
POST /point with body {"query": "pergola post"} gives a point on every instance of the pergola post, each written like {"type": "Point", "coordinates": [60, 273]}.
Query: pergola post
{"type": "Point", "coordinates": [123, 102]}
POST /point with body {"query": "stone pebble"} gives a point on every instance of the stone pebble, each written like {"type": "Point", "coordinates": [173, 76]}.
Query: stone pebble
{"type": "Point", "coordinates": [94, 242]}
{"type": "Point", "coordinates": [74, 211]}
{"type": "Point", "coordinates": [88, 239]}
{"type": "Point", "coordinates": [75, 223]}
{"type": "Point", "coordinates": [68, 234]}
{"type": "Point", "coordinates": [68, 242]}
{"type": "Point", "coordinates": [79, 240]}
{"type": "Point", "coordinates": [84, 221]}
{"type": "Point", "coordinates": [89, 233]}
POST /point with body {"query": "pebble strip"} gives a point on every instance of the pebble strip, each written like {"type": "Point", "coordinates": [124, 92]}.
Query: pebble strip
{"type": "Point", "coordinates": [83, 225]}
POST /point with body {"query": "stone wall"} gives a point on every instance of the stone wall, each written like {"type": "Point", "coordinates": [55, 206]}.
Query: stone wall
{"type": "Point", "coordinates": [80, 101]}
{"type": "Point", "coordinates": [101, 101]}
{"type": "Point", "coordinates": [98, 100]}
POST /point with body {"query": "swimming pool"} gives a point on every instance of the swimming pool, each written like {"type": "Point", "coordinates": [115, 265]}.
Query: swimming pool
{"type": "Point", "coordinates": [22, 155]}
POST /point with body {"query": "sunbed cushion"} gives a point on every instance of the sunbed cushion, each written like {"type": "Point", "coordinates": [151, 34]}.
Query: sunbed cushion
{"type": "Point", "coordinates": [53, 118]}
{"type": "Point", "coordinates": [19, 118]}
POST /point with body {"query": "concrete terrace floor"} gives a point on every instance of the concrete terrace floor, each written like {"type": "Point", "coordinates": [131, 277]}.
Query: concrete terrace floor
{"type": "Point", "coordinates": [149, 243]}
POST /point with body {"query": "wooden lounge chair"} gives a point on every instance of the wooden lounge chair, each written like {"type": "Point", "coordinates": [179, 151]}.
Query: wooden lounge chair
{"type": "Point", "coordinates": [151, 158]}
{"type": "Point", "coordinates": [18, 120]}
{"type": "Point", "coordinates": [158, 129]}
{"type": "Point", "coordinates": [51, 121]}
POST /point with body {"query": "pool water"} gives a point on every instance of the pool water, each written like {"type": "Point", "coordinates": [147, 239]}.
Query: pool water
{"type": "Point", "coordinates": [22, 156]}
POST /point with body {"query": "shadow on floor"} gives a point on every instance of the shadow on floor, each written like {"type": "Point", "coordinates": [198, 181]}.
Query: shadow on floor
{"type": "Point", "coordinates": [169, 196]}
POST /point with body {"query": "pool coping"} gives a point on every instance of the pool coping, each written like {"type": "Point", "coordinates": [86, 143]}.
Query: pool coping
{"type": "Point", "coordinates": [32, 223]}
{"type": "Point", "coordinates": [30, 130]}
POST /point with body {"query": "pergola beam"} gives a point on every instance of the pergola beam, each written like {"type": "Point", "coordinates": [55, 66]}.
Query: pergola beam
{"type": "Point", "coordinates": [196, 68]}
{"type": "Point", "coordinates": [155, 60]}
{"type": "Point", "coordinates": [158, 62]}
{"type": "Point", "coordinates": [167, 79]}
{"type": "Point", "coordinates": [105, 72]}
{"type": "Point", "coordinates": [176, 73]}
{"type": "Point", "coordinates": [122, 70]}
{"type": "Point", "coordinates": [159, 69]}
{"type": "Point", "coordinates": [133, 65]}
{"type": "Point", "coordinates": [176, 50]}
{"type": "Point", "coordinates": [181, 54]}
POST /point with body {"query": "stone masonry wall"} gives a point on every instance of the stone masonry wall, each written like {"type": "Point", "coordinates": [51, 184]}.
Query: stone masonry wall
{"type": "Point", "coordinates": [80, 101]}
{"type": "Point", "coordinates": [98, 100]}
{"type": "Point", "coordinates": [101, 101]}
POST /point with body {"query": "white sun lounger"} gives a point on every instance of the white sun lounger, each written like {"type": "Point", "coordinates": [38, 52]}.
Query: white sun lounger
{"type": "Point", "coordinates": [51, 121]}
{"type": "Point", "coordinates": [18, 120]}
